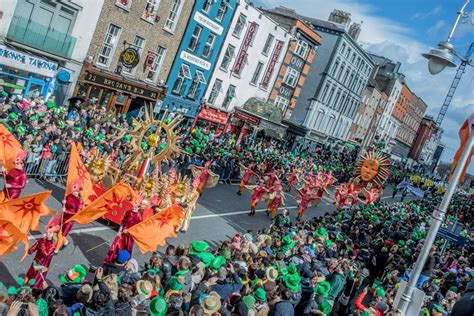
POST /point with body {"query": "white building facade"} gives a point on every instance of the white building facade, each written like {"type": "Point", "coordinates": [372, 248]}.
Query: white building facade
{"type": "Point", "coordinates": [249, 61]}
{"type": "Point", "coordinates": [389, 125]}
{"type": "Point", "coordinates": [43, 44]}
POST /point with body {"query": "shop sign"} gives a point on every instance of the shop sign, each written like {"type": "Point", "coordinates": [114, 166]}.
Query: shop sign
{"type": "Point", "coordinates": [26, 62]}
{"type": "Point", "coordinates": [195, 60]}
{"type": "Point", "coordinates": [286, 92]}
{"type": "Point", "coordinates": [213, 116]}
{"type": "Point", "coordinates": [272, 63]}
{"type": "Point", "coordinates": [130, 57]}
{"type": "Point", "coordinates": [150, 60]}
{"type": "Point", "coordinates": [122, 86]}
{"type": "Point", "coordinates": [245, 46]}
{"type": "Point", "coordinates": [297, 62]}
{"type": "Point", "coordinates": [208, 23]}
{"type": "Point", "coordinates": [248, 118]}
{"type": "Point", "coordinates": [280, 130]}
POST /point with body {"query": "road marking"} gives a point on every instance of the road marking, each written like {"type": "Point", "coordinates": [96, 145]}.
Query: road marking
{"type": "Point", "coordinates": [236, 213]}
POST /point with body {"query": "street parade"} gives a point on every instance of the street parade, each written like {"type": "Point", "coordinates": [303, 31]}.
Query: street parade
{"type": "Point", "coordinates": [116, 201]}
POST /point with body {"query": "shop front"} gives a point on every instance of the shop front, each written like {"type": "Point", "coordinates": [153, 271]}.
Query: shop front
{"type": "Point", "coordinates": [243, 123]}
{"type": "Point", "coordinates": [115, 92]}
{"type": "Point", "coordinates": [212, 119]}
{"type": "Point", "coordinates": [25, 74]}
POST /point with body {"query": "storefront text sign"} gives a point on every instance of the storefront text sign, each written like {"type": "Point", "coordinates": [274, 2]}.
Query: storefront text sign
{"type": "Point", "coordinates": [118, 85]}
{"type": "Point", "coordinates": [272, 63]}
{"type": "Point", "coordinates": [208, 23]}
{"type": "Point", "coordinates": [26, 62]}
{"type": "Point", "coordinates": [195, 60]}
{"type": "Point", "coordinates": [248, 118]}
{"type": "Point", "coordinates": [245, 46]}
{"type": "Point", "coordinates": [130, 57]}
{"type": "Point", "coordinates": [214, 116]}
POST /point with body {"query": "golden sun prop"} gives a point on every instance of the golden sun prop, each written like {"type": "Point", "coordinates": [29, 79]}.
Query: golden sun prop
{"type": "Point", "coordinates": [373, 168]}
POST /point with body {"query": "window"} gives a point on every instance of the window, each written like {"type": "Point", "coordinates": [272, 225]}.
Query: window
{"type": "Point", "coordinates": [353, 57]}
{"type": "Point", "coordinates": [207, 5]}
{"type": "Point", "coordinates": [343, 48]}
{"type": "Point", "coordinates": [291, 77]}
{"type": "Point", "coordinates": [325, 91]}
{"type": "Point", "coordinates": [173, 16]}
{"type": "Point", "coordinates": [139, 44]}
{"type": "Point", "coordinates": [216, 89]}
{"type": "Point", "coordinates": [222, 11]}
{"type": "Point", "coordinates": [268, 44]}
{"type": "Point", "coordinates": [302, 49]}
{"type": "Point", "coordinates": [208, 47]}
{"type": "Point", "coordinates": [229, 54]}
{"type": "Point", "coordinates": [193, 43]}
{"type": "Point", "coordinates": [109, 45]}
{"type": "Point", "coordinates": [124, 4]}
{"type": "Point", "coordinates": [184, 73]}
{"type": "Point", "coordinates": [348, 53]}
{"type": "Point", "coordinates": [150, 10]}
{"type": "Point", "coordinates": [239, 26]}
{"type": "Point", "coordinates": [256, 74]}
{"type": "Point", "coordinates": [281, 103]}
{"type": "Point", "coordinates": [334, 68]}
{"type": "Point", "coordinates": [330, 96]}
{"type": "Point", "coordinates": [200, 76]}
{"type": "Point", "coordinates": [229, 96]}
{"type": "Point", "coordinates": [154, 70]}
{"type": "Point", "coordinates": [345, 76]}
{"type": "Point", "coordinates": [335, 104]}
{"type": "Point", "coordinates": [340, 72]}
{"type": "Point", "coordinates": [194, 87]}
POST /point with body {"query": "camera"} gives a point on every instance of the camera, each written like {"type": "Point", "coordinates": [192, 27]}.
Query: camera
{"type": "Point", "coordinates": [92, 269]}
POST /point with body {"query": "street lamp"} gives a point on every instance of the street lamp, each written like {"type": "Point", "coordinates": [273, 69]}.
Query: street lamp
{"type": "Point", "coordinates": [443, 56]}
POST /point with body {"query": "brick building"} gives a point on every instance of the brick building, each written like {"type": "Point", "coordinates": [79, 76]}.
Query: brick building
{"type": "Point", "coordinates": [132, 51]}
{"type": "Point", "coordinates": [425, 131]}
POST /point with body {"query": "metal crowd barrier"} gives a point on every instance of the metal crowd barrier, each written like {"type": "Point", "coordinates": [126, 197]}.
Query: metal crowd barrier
{"type": "Point", "coordinates": [50, 169]}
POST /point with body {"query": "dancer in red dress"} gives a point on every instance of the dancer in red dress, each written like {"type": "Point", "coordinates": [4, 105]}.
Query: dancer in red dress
{"type": "Point", "coordinates": [15, 179]}
{"type": "Point", "coordinates": [305, 196]}
{"type": "Point", "coordinates": [277, 201]}
{"type": "Point", "coordinates": [44, 248]}
{"type": "Point", "coordinates": [291, 178]}
{"type": "Point", "coordinates": [247, 176]}
{"type": "Point", "coordinates": [123, 241]}
{"type": "Point", "coordinates": [72, 205]}
{"type": "Point", "coordinates": [206, 178]}
{"type": "Point", "coordinates": [257, 194]}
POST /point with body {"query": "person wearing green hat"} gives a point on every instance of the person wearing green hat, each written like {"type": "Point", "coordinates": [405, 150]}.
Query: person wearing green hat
{"type": "Point", "coordinates": [206, 258]}
{"type": "Point", "coordinates": [322, 289]}
{"type": "Point", "coordinates": [75, 274]}
{"type": "Point", "coordinates": [42, 307]}
{"type": "Point", "coordinates": [325, 307]}
{"type": "Point", "coordinates": [198, 247]}
{"type": "Point", "coordinates": [287, 243]}
{"type": "Point", "coordinates": [321, 233]}
{"type": "Point", "coordinates": [292, 282]}
{"type": "Point", "coordinates": [216, 263]}
{"type": "Point", "coordinates": [158, 306]}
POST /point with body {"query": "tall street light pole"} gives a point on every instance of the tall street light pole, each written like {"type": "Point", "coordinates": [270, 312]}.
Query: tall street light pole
{"type": "Point", "coordinates": [439, 58]}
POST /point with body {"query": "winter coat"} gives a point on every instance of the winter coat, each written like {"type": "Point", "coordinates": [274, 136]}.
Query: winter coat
{"type": "Point", "coordinates": [283, 308]}
{"type": "Point", "coordinates": [465, 305]}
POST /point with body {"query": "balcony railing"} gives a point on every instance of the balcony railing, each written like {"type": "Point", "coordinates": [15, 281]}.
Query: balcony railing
{"type": "Point", "coordinates": [42, 37]}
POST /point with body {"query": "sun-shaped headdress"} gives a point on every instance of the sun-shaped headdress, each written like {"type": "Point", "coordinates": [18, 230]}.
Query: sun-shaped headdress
{"type": "Point", "coordinates": [381, 160]}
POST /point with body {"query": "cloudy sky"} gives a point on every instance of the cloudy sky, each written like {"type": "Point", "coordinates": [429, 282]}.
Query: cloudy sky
{"type": "Point", "coordinates": [402, 30]}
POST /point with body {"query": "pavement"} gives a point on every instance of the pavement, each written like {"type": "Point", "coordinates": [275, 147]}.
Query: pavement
{"type": "Point", "coordinates": [220, 213]}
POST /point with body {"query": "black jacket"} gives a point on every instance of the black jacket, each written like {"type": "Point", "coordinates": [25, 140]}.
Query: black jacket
{"type": "Point", "coordinates": [465, 305]}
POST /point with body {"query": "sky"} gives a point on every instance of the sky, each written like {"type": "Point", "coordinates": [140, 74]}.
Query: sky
{"type": "Point", "coordinates": [402, 30]}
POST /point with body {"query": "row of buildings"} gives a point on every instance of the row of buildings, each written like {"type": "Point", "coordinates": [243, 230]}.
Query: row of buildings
{"type": "Point", "coordinates": [222, 63]}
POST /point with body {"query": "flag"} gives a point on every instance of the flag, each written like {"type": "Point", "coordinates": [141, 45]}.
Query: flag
{"type": "Point", "coordinates": [152, 232]}
{"type": "Point", "coordinates": [10, 236]}
{"type": "Point", "coordinates": [107, 202]}
{"type": "Point", "coordinates": [24, 213]}
{"type": "Point", "coordinates": [464, 133]}
{"type": "Point", "coordinates": [9, 148]}
{"type": "Point", "coordinates": [78, 175]}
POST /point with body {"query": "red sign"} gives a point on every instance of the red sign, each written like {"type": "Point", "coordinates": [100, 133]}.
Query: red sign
{"type": "Point", "coordinates": [150, 59]}
{"type": "Point", "coordinates": [247, 118]}
{"type": "Point", "coordinates": [213, 116]}
{"type": "Point", "coordinates": [245, 47]}
{"type": "Point", "coordinates": [271, 65]}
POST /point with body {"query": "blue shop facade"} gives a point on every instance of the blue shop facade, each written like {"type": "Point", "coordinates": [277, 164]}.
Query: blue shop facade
{"type": "Point", "coordinates": [197, 55]}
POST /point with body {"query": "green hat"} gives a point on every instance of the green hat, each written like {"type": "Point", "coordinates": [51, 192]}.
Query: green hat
{"type": "Point", "coordinates": [50, 104]}
{"type": "Point", "coordinates": [217, 262]}
{"type": "Point", "coordinates": [74, 275]}
{"type": "Point", "coordinates": [260, 295]}
{"type": "Point", "coordinates": [329, 243]}
{"type": "Point", "coordinates": [292, 268]}
{"type": "Point", "coordinates": [325, 307]}
{"type": "Point", "coordinates": [321, 232]}
{"type": "Point", "coordinates": [380, 292]}
{"type": "Point", "coordinates": [440, 309]}
{"type": "Point", "coordinates": [174, 284]}
{"type": "Point", "coordinates": [322, 289]}
{"type": "Point", "coordinates": [374, 218]}
{"type": "Point", "coordinates": [198, 247]}
{"type": "Point", "coordinates": [401, 242]}
{"type": "Point", "coordinates": [12, 116]}
{"type": "Point", "coordinates": [249, 301]}
{"type": "Point", "coordinates": [42, 307]}
{"type": "Point", "coordinates": [292, 281]}
{"type": "Point", "coordinates": [453, 289]}
{"type": "Point", "coordinates": [288, 243]}
{"type": "Point", "coordinates": [339, 236]}
{"type": "Point", "coordinates": [206, 258]}
{"type": "Point", "coordinates": [158, 306]}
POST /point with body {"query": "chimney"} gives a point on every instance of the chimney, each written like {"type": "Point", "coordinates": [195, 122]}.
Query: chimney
{"type": "Point", "coordinates": [340, 17]}
{"type": "Point", "coordinates": [354, 31]}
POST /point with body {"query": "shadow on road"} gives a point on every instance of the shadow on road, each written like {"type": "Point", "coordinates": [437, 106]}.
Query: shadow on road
{"type": "Point", "coordinates": [7, 279]}
{"type": "Point", "coordinates": [58, 191]}
{"type": "Point", "coordinates": [92, 247]}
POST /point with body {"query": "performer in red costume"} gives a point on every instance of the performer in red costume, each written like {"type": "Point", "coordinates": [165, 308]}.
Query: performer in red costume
{"type": "Point", "coordinates": [44, 248]}
{"type": "Point", "coordinates": [247, 176]}
{"type": "Point", "coordinates": [291, 178]}
{"type": "Point", "coordinates": [277, 201]}
{"type": "Point", "coordinates": [15, 179]}
{"type": "Point", "coordinates": [72, 205]}
{"type": "Point", "coordinates": [304, 198]}
{"type": "Point", "coordinates": [257, 194]}
{"type": "Point", "coordinates": [206, 178]}
{"type": "Point", "coordinates": [345, 195]}
{"type": "Point", "coordinates": [123, 241]}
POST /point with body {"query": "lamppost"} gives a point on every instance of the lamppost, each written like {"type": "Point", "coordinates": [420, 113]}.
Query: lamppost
{"type": "Point", "coordinates": [439, 58]}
